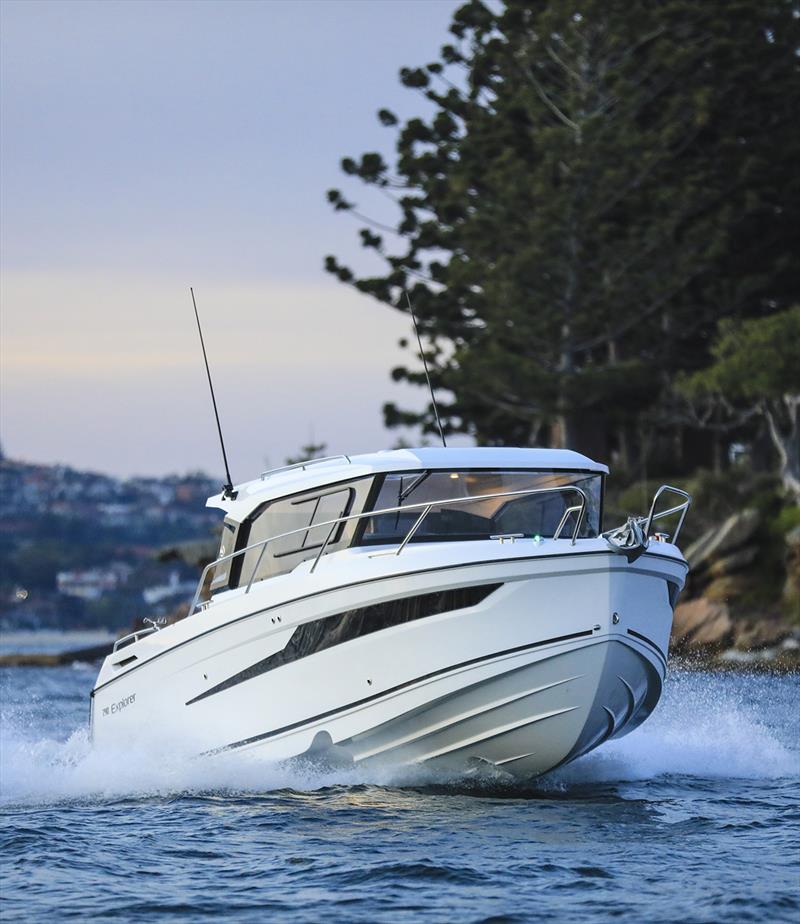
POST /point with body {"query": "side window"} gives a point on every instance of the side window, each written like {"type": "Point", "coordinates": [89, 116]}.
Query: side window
{"type": "Point", "coordinates": [225, 573]}
{"type": "Point", "coordinates": [285, 516]}
{"type": "Point", "coordinates": [303, 517]}
{"type": "Point", "coordinates": [331, 507]}
{"type": "Point", "coordinates": [312, 512]}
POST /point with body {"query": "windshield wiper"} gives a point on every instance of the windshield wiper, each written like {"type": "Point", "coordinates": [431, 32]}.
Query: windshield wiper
{"type": "Point", "coordinates": [401, 498]}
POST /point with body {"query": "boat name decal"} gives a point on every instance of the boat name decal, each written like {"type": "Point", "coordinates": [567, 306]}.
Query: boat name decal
{"type": "Point", "coordinates": [118, 707]}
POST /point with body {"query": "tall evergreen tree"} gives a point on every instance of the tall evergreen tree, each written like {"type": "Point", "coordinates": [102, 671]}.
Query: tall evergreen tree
{"type": "Point", "coordinates": [756, 373]}
{"type": "Point", "coordinates": [598, 184]}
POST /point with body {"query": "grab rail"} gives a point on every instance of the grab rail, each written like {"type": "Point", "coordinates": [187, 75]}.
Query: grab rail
{"type": "Point", "coordinates": [683, 508]}
{"type": "Point", "coordinates": [647, 521]}
{"type": "Point", "coordinates": [425, 506]}
{"type": "Point", "coordinates": [133, 637]}
{"type": "Point", "coordinates": [302, 465]}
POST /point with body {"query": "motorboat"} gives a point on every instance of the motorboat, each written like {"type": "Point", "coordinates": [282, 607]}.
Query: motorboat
{"type": "Point", "coordinates": [454, 607]}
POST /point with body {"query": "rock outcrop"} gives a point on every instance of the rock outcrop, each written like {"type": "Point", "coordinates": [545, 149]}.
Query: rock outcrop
{"type": "Point", "coordinates": [716, 542]}
{"type": "Point", "coordinates": [723, 558]}
{"type": "Point", "coordinates": [791, 589]}
{"type": "Point", "coordinates": [731, 611]}
{"type": "Point", "coordinates": [701, 625]}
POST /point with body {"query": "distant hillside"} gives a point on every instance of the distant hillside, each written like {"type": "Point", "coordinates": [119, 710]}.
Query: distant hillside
{"type": "Point", "coordinates": [77, 548]}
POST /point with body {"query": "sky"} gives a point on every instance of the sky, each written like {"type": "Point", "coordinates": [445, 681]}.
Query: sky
{"type": "Point", "coordinates": [149, 146]}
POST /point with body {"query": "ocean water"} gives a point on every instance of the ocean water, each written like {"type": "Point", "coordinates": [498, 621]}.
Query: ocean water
{"type": "Point", "coordinates": [694, 817]}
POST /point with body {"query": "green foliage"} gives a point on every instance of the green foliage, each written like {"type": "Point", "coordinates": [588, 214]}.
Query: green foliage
{"type": "Point", "coordinates": [753, 359]}
{"type": "Point", "coordinates": [755, 372]}
{"type": "Point", "coordinates": [715, 497]}
{"type": "Point", "coordinates": [590, 194]}
{"type": "Point", "coordinates": [787, 520]}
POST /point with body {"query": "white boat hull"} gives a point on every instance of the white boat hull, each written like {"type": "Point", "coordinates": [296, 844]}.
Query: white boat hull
{"type": "Point", "coordinates": [526, 719]}
{"type": "Point", "coordinates": [554, 654]}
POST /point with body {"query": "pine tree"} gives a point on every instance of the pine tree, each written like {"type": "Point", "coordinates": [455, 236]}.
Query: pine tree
{"type": "Point", "coordinates": [567, 213]}
{"type": "Point", "coordinates": [756, 373]}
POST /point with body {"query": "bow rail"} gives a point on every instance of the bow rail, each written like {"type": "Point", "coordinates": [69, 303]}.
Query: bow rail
{"type": "Point", "coordinates": [633, 537]}
{"type": "Point", "coordinates": [681, 508]}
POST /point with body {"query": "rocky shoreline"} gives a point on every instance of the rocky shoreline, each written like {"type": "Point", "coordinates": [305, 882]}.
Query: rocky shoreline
{"type": "Point", "coordinates": [741, 604]}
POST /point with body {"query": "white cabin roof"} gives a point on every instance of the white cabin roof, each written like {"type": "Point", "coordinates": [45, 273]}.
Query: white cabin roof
{"type": "Point", "coordinates": [317, 473]}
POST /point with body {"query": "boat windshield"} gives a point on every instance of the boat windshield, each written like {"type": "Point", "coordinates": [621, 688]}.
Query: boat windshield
{"type": "Point", "coordinates": [531, 515]}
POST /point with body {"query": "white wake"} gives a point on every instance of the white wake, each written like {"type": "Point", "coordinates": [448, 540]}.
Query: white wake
{"type": "Point", "coordinates": [706, 727]}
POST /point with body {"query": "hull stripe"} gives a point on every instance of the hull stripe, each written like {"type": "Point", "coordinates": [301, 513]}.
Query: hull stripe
{"type": "Point", "coordinates": [650, 642]}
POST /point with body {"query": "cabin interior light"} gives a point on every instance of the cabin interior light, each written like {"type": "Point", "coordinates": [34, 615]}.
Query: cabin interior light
{"type": "Point", "coordinates": [454, 474]}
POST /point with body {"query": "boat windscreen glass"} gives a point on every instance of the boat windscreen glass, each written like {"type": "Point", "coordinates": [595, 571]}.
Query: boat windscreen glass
{"type": "Point", "coordinates": [464, 517]}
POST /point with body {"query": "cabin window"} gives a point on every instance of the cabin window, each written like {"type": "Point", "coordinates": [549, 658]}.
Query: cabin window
{"type": "Point", "coordinates": [468, 518]}
{"type": "Point", "coordinates": [303, 517]}
{"type": "Point", "coordinates": [225, 572]}
{"type": "Point", "coordinates": [306, 514]}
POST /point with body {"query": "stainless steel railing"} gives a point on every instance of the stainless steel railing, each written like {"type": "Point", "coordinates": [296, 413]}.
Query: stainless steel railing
{"type": "Point", "coordinates": [302, 465]}
{"type": "Point", "coordinates": [425, 507]}
{"type": "Point", "coordinates": [681, 508]}
{"type": "Point", "coordinates": [133, 637]}
{"type": "Point", "coordinates": [633, 538]}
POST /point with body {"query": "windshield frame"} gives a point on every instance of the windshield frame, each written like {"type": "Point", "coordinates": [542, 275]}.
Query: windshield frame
{"type": "Point", "coordinates": [422, 475]}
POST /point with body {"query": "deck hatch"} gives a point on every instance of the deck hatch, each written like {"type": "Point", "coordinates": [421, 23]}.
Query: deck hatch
{"type": "Point", "coordinates": [316, 636]}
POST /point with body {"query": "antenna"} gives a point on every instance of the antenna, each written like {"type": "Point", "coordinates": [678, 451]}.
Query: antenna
{"type": "Point", "coordinates": [427, 374]}
{"type": "Point", "coordinates": [227, 488]}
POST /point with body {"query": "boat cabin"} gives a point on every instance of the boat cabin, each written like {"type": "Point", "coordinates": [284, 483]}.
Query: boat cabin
{"type": "Point", "coordinates": [414, 495]}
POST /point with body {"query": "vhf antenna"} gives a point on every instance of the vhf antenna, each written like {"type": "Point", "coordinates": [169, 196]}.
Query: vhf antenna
{"type": "Point", "coordinates": [227, 488]}
{"type": "Point", "coordinates": [425, 364]}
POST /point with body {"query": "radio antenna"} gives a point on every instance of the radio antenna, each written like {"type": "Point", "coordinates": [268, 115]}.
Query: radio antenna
{"type": "Point", "coordinates": [427, 374]}
{"type": "Point", "coordinates": [227, 488]}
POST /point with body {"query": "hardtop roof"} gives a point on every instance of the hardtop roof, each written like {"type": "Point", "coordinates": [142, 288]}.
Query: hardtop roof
{"type": "Point", "coordinates": [317, 473]}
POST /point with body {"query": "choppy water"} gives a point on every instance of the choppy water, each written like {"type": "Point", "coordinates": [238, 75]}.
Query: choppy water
{"type": "Point", "coordinates": [695, 817]}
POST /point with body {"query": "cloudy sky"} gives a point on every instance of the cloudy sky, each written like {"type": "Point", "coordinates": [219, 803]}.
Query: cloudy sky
{"type": "Point", "coordinates": [149, 146]}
